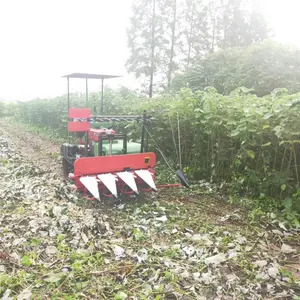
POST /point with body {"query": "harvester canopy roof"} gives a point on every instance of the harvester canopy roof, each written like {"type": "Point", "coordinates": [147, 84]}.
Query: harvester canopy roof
{"type": "Point", "coordinates": [91, 76]}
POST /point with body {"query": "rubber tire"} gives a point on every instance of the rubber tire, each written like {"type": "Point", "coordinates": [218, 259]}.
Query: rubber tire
{"type": "Point", "coordinates": [67, 168]}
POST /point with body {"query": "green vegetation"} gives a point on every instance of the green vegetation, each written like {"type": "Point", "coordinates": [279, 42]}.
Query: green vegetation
{"type": "Point", "coordinates": [244, 143]}
{"type": "Point", "coordinates": [235, 130]}
{"type": "Point", "coordinates": [261, 68]}
{"type": "Point", "coordinates": [170, 36]}
{"type": "Point", "coordinates": [2, 109]}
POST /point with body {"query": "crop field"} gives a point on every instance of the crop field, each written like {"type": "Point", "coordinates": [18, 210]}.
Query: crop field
{"type": "Point", "coordinates": [173, 244]}
{"type": "Point", "coordinates": [247, 145]}
{"type": "Point", "coordinates": [179, 181]}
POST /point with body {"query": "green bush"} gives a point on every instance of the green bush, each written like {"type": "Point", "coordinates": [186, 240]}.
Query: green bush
{"type": "Point", "coordinates": [260, 67]}
{"type": "Point", "coordinates": [251, 143]}
{"type": "Point", "coordinates": [2, 109]}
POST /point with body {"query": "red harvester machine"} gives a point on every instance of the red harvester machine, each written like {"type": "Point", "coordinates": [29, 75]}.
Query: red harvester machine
{"type": "Point", "coordinates": [104, 163]}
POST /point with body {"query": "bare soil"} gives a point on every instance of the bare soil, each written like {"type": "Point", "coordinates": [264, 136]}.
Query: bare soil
{"type": "Point", "coordinates": [34, 148]}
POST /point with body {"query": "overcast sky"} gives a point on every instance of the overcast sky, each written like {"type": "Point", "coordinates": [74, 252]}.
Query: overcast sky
{"type": "Point", "coordinates": [41, 40]}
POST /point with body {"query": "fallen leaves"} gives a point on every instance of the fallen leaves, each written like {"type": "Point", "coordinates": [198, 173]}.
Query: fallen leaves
{"type": "Point", "coordinates": [287, 249]}
{"type": "Point", "coordinates": [260, 263]}
{"type": "Point", "coordinates": [51, 250]}
{"type": "Point", "coordinates": [162, 219]}
{"type": "Point", "coordinates": [153, 250]}
{"type": "Point", "coordinates": [25, 295]}
{"type": "Point", "coordinates": [273, 272]}
{"type": "Point", "coordinates": [216, 259]}
{"type": "Point", "coordinates": [119, 252]}
{"type": "Point", "coordinates": [54, 277]}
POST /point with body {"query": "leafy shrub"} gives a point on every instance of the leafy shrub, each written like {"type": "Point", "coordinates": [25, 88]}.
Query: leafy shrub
{"type": "Point", "coordinates": [260, 67]}
{"type": "Point", "coordinates": [250, 142]}
{"type": "Point", "coordinates": [2, 109]}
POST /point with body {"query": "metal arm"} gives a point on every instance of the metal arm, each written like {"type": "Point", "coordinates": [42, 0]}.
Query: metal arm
{"type": "Point", "coordinates": [118, 118]}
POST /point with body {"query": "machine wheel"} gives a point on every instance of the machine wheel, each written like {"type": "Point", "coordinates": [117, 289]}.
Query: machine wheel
{"type": "Point", "coordinates": [67, 169]}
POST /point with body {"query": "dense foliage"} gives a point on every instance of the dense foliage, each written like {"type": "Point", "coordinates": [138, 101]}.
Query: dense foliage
{"type": "Point", "coordinates": [262, 68]}
{"type": "Point", "coordinates": [251, 143]}
{"type": "Point", "coordinates": [167, 36]}
{"type": "Point", "coordinates": [2, 109]}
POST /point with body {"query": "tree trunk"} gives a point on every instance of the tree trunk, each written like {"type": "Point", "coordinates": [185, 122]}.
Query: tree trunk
{"type": "Point", "coordinates": [190, 41]}
{"type": "Point", "coordinates": [152, 52]}
{"type": "Point", "coordinates": [172, 44]}
{"type": "Point", "coordinates": [214, 28]}
{"type": "Point", "coordinates": [253, 6]}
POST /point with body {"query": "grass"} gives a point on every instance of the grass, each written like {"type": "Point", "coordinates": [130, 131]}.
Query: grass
{"type": "Point", "coordinates": [43, 132]}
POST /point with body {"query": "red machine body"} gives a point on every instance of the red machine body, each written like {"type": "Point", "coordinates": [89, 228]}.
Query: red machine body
{"type": "Point", "coordinates": [93, 166]}
{"type": "Point", "coordinates": [120, 174]}
{"type": "Point", "coordinates": [107, 172]}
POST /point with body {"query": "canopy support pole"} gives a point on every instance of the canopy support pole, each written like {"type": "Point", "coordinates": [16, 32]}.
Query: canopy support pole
{"type": "Point", "coordinates": [68, 79]}
{"type": "Point", "coordinates": [102, 96]}
{"type": "Point", "coordinates": [87, 93]}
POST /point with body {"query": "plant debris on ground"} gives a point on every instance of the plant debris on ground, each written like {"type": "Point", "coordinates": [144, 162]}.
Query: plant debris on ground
{"type": "Point", "coordinates": [172, 245]}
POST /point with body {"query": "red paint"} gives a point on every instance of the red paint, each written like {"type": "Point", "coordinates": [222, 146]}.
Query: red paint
{"type": "Point", "coordinates": [78, 126]}
{"type": "Point", "coordinates": [79, 113]}
{"type": "Point", "coordinates": [93, 166]}
{"type": "Point", "coordinates": [111, 164]}
{"type": "Point", "coordinates": [94, 133]}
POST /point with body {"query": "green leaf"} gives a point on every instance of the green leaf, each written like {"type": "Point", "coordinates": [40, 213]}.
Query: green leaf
{"type": "Point", "coordinates": [54, 277]}
{"type": "Point", "coordinates": [35, 242]}
{"type": "Point", "coordinates": [251, 154]}
{"type": "Point", "coordinates": [235, 133]}
{"type": "Point", "coordinates": [120, 296]}
{"type": "Point", "coordinates": [267, 144]}
{"type": "Point", "coordinates": [288, 204]}
{"type": "Point", "coordinates": [267, 116]}
{"type": "Point", "coordinates": [26, 261]}
{"type": "Point", "coordinates": [283, 187]}
{"type": "Point", "coordinates": [138, 235]}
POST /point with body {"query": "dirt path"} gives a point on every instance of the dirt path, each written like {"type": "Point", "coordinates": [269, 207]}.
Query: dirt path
{"type": "Point", "coordinates": [36, 149]}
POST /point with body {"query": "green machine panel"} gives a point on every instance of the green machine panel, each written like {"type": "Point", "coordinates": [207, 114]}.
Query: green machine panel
{"type": "Point", "coordinates": [117, 147]}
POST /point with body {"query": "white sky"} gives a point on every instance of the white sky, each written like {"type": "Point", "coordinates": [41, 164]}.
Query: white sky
{"type": "Point", "coordinates": [41, 40]}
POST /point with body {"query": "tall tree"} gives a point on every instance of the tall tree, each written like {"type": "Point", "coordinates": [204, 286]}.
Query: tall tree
{"type": "Point", "coordinates": [241, 26]}
{"type": "Point", "coordinates": [144, 36]}
{"type": "Point", "coordinates": [170, 35]}
{"type": "Point", "coordinates": [173, 41]}
{"type": "Point", "coordinates": [194, 40]}
{"type": "Point", "coordinates": [215, 26]}
{"type": "Point", "coordinates": [258, 28]}
{"type": "Point", "coordinates": [214, 22]}
{"type": "Point", "coordinates": [152, 48]}
{"type": "Point", "coordinates": [263, 68]}
{"type": "Point", "coordinates": [167, 10]}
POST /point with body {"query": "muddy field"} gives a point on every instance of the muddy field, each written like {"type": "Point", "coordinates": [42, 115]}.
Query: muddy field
{"type": "Point", "coordinates": [172, 245]}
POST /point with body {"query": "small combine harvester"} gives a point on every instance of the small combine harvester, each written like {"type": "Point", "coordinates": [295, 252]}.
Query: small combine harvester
{"type": "Point", "coordinates": [103, 163]}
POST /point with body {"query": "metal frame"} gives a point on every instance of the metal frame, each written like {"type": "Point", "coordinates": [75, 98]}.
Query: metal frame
{"type": "Point", "coordinates": [87, 76]}
{"type": "Point", "coordinates": [84, 119]}
{"type": "Point", "coordinates": [129, 162]}
{"type": "Point", "coordinates": [111, 138]}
